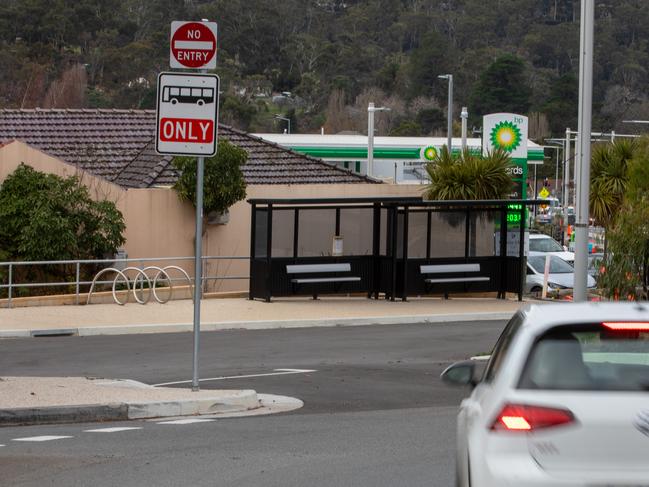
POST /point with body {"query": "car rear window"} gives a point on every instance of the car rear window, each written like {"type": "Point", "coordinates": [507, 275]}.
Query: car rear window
{"type": "Point", "coordinates": [545, 245]}
{"type": "Point", "coordinates": [589, 357]}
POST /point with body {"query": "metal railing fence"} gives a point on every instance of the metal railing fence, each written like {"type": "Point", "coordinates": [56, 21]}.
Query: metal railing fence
{"type": "Point", "coordinates": [11, 284]}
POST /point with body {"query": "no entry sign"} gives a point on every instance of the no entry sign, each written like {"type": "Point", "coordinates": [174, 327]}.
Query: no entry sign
{"type": "Point", "coordinates": [193, 45]}
{"type": "Point", "coordinates": [187, 114]}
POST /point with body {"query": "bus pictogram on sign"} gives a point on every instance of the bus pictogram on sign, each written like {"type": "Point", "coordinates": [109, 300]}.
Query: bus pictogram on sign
{"type": "Point", "coordinates": [183, 94]}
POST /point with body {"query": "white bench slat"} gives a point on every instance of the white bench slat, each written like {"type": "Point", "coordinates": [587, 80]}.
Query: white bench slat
{"type": "Point", "coordinates": [325, 279]}
{"type": "Point", "coordinates": [442, 268]}
{"type": "Point", "coordinates": [457, 279]}
{"type": "Point", "coordinates": [305, 268]}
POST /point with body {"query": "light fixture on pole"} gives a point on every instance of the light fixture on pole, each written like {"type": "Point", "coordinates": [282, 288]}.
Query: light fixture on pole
{"type": "Point", "coordinates": [583, 152]}
{"type": "Point", "coordinates": [370, 135]}
{"type": "Point", "coordinates": [464, 115]}
{"type": "Point", "coordinates": [449, 114]}
{"type": "Point", "coordinates": [288, 120]}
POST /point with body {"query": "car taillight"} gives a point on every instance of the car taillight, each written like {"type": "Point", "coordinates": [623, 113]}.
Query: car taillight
{"type": "Point", "coordinates": [627, 325]}
{"type": "Point", "coordinates": [524, 417]}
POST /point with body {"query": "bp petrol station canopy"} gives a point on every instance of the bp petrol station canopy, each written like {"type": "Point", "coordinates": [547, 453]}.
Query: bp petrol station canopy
{"type": "Point", "coordinates": [400, 158]}
{"type": "Point", "coordinates": [413, 149]}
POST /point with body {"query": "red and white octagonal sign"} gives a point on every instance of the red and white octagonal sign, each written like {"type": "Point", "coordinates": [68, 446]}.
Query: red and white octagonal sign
{"type": "Point", "coordinates": [193, 45]}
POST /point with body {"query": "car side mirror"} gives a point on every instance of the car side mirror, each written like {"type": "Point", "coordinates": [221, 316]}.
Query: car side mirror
{"type": "Point", "coordinates": [565, 248]}
{"type": "Point", "coordinates": [460, 374]}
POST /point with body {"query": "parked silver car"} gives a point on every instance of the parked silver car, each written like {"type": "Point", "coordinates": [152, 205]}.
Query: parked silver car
{"type": "Point", "coordinates": [561, 276]}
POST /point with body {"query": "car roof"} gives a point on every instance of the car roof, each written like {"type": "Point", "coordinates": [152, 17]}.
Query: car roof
{"type": "Point", "coordinates": [541, 317]}
{"type": "Point", "coordinates": [540, 235]}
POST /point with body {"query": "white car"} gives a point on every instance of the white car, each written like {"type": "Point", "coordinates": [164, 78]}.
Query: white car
{"type": "Point", "coordinates": [563, 401]}
{"type": "Point", "coordinates": [540, 242]}
{"type": "Point", "coordinates": [560, 277]}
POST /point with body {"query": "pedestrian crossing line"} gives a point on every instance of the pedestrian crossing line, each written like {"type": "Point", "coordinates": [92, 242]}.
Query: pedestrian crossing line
{"type": "Point", "coordinates": [42, 438]}
{"type": "Point", "coordinates": [187, 421]}
{"type": "Point", "coordinates": [113, 430]}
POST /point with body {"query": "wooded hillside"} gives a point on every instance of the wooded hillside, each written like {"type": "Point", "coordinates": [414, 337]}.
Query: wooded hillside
{"type": "Point", "coordinates": [320, 61]}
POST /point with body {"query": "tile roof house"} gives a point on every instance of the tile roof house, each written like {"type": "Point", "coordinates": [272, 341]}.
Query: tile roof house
{"type": "Point", "coordinates": [118, 145]}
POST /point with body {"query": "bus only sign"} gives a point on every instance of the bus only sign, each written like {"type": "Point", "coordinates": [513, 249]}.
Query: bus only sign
{"type": "Point", "coordinates": [193, 45]}
{"type": "Point", "coordinates": [187, 114]}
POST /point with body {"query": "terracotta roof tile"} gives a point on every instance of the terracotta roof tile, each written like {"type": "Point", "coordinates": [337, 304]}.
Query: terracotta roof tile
{"type": "Point", "coordinates": [119, 145]}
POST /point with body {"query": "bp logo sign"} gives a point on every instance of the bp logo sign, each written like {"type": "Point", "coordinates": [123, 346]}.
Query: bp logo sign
{"type": "Point", "coordinates": [505, 131]}
{"type": "Point", "coordinates": [429, 153]}
{"type": "Point", "coordinates": [506, 136]}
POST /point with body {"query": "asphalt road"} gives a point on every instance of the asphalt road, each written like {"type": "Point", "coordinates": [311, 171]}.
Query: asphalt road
{"type": "Point", "coordinates": [375, 414]}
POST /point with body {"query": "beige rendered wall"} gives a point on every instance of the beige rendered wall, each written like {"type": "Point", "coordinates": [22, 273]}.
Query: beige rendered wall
{"type": "Point", "coordinates": [12, 154]}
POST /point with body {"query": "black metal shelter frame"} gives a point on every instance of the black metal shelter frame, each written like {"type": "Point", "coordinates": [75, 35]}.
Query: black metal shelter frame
{"type": "Point", "coordinates": [289, 232]}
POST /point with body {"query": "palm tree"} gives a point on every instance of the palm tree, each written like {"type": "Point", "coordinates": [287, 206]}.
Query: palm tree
{"type": "Point", "coordinates": [609, 180]}
{"type": "Point", "coordinates": [469, 176]}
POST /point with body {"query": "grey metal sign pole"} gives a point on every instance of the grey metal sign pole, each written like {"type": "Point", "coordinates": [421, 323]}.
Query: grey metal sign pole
{"type": "Point", "coordinates": [585, 116]}
{"type": "Point", "coordinates": [198, 264]}
{"type": "Point", "coordinates": [198, 269]}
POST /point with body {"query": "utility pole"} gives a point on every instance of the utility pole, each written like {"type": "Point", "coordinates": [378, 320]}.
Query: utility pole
{"type": "Point", "coordinates": [584, 122]}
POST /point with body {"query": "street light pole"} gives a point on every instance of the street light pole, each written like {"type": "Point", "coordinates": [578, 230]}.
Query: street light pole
{"type": "Point", "coordinates": [449, 113]}
{"type": "Point", "coordinates": [370, 138]}
{"type": "Point", "coordinates": [584, 122]}
{"type": "Point", "coordinates": [288, 120]}
{"type": "Point", "coordinates": [370, 135]}
{"type": "Point", "coordinates": [566, 172]}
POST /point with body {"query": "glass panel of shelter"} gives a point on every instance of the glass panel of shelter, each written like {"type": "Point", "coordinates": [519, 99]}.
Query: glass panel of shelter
{"type": "Point", "coordinates": [316, 228]}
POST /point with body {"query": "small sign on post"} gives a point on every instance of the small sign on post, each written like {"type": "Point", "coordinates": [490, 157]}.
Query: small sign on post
{"type": "Point", "coordinates": [192, 45]}
{"type": "Point", "coordinates": [187, 114]}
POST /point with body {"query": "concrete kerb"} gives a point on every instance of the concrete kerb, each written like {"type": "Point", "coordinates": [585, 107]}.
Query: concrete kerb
{"type": "Point", "coordinates": [256, 325]}
{"type": "Point", "coordinates": [236, 402]}
{"type": "Point", "coordinates": [63, 414]}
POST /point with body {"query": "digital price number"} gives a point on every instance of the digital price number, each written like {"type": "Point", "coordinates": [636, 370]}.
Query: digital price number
{"type": "Point", "coordinates": [514, 213]}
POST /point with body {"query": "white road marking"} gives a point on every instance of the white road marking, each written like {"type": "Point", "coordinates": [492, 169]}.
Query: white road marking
{"type": "Point", "coordinates": [276, 372]}
{"type": "Point", "coordinates": [186, 421]}
{"type": "Point", "coordinates": [1, 446]}
{"type": "Point", "coordinates": [112, 430]}
{"type": "Point", "coordinates": [42, 438]}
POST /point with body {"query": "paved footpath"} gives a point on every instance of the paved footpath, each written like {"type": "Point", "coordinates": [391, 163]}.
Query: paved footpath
{"type": "Point", "coordinates": [239, 313]}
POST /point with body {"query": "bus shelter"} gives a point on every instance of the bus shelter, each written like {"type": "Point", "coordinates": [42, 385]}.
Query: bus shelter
{"type": "Point", "coordinates": [392, 246]}
{"type": "Point", "coordinates": [442, 247]}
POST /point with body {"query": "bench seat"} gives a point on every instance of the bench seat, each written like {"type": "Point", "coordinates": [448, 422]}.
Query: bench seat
{"type": "Point", "coordinates": [325, 279]}
{"type": "Point", "coordinates": [458, 279]}
{"type": "Point", "coordinates": [452, 269]}
{"type": "Point", "coordinates": [318, 270]}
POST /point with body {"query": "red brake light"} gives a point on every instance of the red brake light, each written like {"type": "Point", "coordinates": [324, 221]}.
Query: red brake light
{"type": "Point", "coordinates": [522, 417]}
{"type": "Point", "coordinates": [627, 325]}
